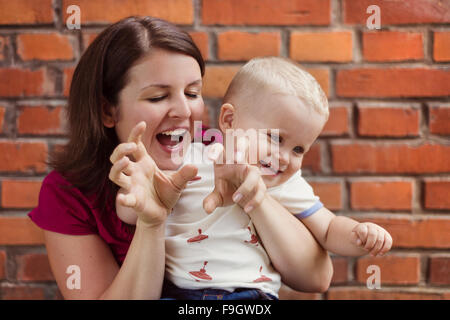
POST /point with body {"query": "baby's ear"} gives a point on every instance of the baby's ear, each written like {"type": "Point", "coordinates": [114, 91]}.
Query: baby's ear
{"type": "Point", "coordinates": [226, 117]}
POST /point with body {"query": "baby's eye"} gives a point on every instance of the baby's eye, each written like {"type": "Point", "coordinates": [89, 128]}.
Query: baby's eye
{"type": "Point", "coordinates": [298, 150]}
{"type": "Point", "coordinates": [275, 138]}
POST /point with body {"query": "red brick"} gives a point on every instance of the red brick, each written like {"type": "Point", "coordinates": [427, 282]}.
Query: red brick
{"type": "Point", "coordinates": [2, 264]}
{"type": "Point", "coordinates": [323, 78]}
{"type": "Point", "coordinates": [439, 119]}
{"type": "Point", "coordinates": [389, 158]}
{"type": "Point", "coordinates": [392, 46]}
{"type": "Point", "coordinates": [321, 46]}
{"type": "Point", "coordinates": [26, 12]}
{"type": "Point", "coordinates": [359, 293]}
{"type": "Point", "coordinates": [2, 117]}
{"type": "Point", "coordinates": [439, 270]}
{"type": "Point", "coordinates": [266, 12]}
{"type": "Point", "coordinates": [44, 46]}
{"type": "Point", "coordinates": [19, 231]}
{"type": "Point", "coordinates": [23, 156]}
{"type": "Point", "coordinates": [441, 46]}
{"type": "Point", "coordinates": [394, 269]}
{"type": "Point", "coordinates": [330, 194]}
{"type": "Point", "coordinates": [34, 267]}
{"type": "Point", "coordinates": [20, 194]}
{"type": "Point", "coordinates": [390, 195]}
{"type": "Point", "coordinates": [67, 79]}
{"type": "Point", "coordinates": [201, 39]}
{"type": "Point", "coordinates": [312, 159]}
{"type": "Point", "coordinates": [40, 120]}
{"type": "Point", "coordinates": [340, 270]}
{"type": "Point", "coordinates": [242, 46]}
{"type": "Point", "coordinates": [395, 82]}
{"type": "Point", "coordinates": [338, 122]}
{"type": "Point", "coordinates": [21, 292]}
{"type": "Point", "coordinates": [3, 43]}
{"type": "Point", "coordinates": [437, 194]}
{"type": "Point", "coordinates": [24, 82]}
{"type": "Point", "coordinates": [388, 121]}
{"type": "Point", "coordinates": [88, 38]}
{"type": "Point", "coordinates": [416, 233]}
{"type": "Point", "coordinates": [287, 293]}
{"type": "Point", "coordinates": [397, 12]}
{"type": "Point", "coordinates": [217, 79]}
{"type": "Point", "coordinates": [110, 11]}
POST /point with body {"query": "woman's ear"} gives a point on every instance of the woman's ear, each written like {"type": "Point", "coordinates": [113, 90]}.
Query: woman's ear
{"type": "Point", "coordinates": [108, 115]}
{"type": "Point", "coordinates": [226, 117]}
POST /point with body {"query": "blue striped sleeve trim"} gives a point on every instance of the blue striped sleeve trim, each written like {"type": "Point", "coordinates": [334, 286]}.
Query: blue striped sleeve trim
{"type": "Point", "coordinates": [318, 205]}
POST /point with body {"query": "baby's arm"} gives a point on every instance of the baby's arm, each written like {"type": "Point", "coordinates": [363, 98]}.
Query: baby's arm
{"type": "Point", "coordinates": [347, 237]}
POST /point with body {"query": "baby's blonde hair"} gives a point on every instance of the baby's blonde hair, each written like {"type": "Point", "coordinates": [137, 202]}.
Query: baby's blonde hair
{"type": "Point", "coordinates": [276, 75]}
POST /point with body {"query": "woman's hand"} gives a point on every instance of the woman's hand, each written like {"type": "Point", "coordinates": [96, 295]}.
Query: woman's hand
{"type": "Point", "coordinates": [240, 183]}
{"type": "Point", "coordinates": [151, 192]}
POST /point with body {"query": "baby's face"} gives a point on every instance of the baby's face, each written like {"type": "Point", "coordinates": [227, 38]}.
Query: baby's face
{"type": "Point", "coordinates": [286, 128]}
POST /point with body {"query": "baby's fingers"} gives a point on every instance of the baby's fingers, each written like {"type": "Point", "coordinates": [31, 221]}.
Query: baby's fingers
{"type": "Point", "coordinates": [378, 244]}
{"type": "Point", "coordinates": [372, 236]}
{"type": "Point", "coordinates": [361, 232]}
{"type": "Point", "coordinates": [387, 244]}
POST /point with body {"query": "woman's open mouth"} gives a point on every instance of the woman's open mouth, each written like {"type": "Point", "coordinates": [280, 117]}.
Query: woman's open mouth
{"type": "Point", "coordinates": [171, 140]}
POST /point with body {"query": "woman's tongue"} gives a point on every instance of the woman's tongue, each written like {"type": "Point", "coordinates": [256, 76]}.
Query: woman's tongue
{"type": "Point", "coordinates": [169, 140]}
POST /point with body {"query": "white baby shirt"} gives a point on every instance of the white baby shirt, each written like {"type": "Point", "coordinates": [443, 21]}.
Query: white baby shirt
{"type": "Point", "coordinates": [221, 249]}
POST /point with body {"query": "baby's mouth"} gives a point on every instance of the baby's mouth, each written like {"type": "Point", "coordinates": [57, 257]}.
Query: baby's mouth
{"type": "Point", "coordinates": [171, 138]}
{"type": "Point", "coordinates": [266, 168]}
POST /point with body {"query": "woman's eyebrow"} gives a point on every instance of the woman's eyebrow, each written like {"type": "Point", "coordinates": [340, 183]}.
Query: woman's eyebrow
{"type": "Point", "coordinates": [165, 86]}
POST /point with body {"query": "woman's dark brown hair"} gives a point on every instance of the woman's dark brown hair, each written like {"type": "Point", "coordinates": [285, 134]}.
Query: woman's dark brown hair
{"type": "Point", "coordinates": [97, 81]}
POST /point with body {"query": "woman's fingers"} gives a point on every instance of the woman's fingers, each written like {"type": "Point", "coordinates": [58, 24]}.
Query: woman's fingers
{"type": "Point", "coordinates": [212, 201]}
{"type": "Point", "coordinates": [127, 200]}
{"type": "Point", "coordinates": [116, 174]}
{"type": "Point", "coordinates": [251, 192]}
{"type": "Point", "coordinates": [181, 177]}
{"type": "Point", "coordinates": [136, 137]}
{"type": "Point", "coordinates": [122, 150]}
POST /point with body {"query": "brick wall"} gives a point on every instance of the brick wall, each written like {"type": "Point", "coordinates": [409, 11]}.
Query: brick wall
{"type": "Point", "coordinates": [383, 156]}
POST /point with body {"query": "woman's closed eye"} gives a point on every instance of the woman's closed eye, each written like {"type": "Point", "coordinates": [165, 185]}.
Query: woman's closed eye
{"type": "Point", "coordinates": [192, 95]}
{"type": "Point", "coordinates": [157, 99]}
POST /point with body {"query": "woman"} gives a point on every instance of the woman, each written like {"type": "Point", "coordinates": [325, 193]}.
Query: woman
{"type": "Point", "coordinates": [138, 69]}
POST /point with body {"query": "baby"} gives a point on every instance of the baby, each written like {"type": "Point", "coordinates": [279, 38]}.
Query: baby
{"type": "Point", "coordinates": [212, 244]}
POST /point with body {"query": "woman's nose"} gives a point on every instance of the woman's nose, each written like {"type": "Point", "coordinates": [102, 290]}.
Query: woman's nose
{"type": "Point", "coordinates": [180, 107]}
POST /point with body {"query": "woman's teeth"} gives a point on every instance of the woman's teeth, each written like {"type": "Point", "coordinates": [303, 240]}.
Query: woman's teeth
{"type": "Point", "coordinates": [171, 138]}
{"type": "Point", "coordinates": [176, 132]}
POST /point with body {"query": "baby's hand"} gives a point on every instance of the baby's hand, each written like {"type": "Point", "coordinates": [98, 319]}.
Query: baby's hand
{"type": "Point", "coordinates": [372, 238]}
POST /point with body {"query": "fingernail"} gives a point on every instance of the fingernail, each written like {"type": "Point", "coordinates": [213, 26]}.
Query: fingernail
{"type": "Point", "coordinates": [358, 242]}
{"type": "Point", "coordinates": [248, 209]}
{"type": "Point", "coordinates": [237, 197]}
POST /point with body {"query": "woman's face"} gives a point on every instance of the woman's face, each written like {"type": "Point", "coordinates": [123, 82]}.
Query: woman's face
{"type": "Point", "coordinates": [164, 90]}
